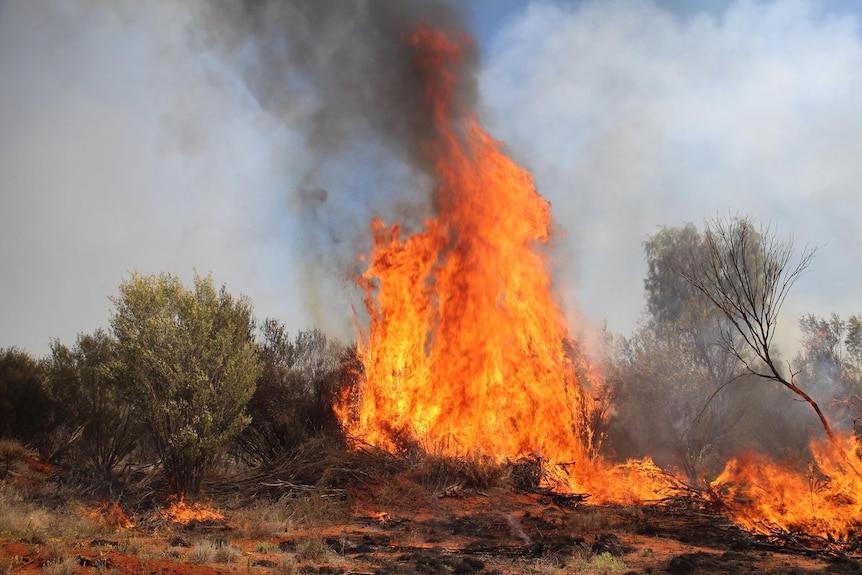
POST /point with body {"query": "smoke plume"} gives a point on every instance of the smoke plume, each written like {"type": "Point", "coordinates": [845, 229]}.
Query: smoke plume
{"type": "Point", "coordinates": [342, 75]}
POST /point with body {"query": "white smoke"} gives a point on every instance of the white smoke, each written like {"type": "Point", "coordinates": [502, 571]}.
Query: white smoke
{"type": "Point", "coordinates": [125, 146]}
{"type": "Point", "coordinates": [130, 143]}
{"type": "Point", "coordinates": [632, 116]}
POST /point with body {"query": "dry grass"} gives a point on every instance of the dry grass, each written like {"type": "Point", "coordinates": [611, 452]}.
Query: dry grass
{"type": "Point", "coordinates": [589, 520]}
{"type": "Point", "coordinates": [441, 472]}
{"type": "Point", "coordinates": [601, 564]}
{"type": "Point", "coordinates": [12, 456]}
{"type": "Point", "coordinates": [545, 567]}
{"type": "Point", "coordinates": [201, 554]}
{"type": "Point", "coordinates": [65, 566]}
{"type": "Point", "coordinates": [9, 565]}
{"type": "Point", "coordinates": [267, 547]}
{"type": "Point", "coordinates": [287, 566]}
{"type": "Point", "coordinates": [28, 520]}
{"type": "Point", "coordinates": [263, 520]}
{"type": "Point", "coordinates": [227, 554]}
{"type": "Point", "coordinates": [312, 548]}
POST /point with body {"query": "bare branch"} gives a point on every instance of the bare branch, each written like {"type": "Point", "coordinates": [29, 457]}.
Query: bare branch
{"type": "Point", "coordinates": [745, 272]}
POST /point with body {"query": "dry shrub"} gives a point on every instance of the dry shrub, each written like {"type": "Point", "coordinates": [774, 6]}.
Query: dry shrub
{"type": "Point", "coordinates": [227, 554]}
{"type": "Point", "coordinates": [312, 510]}
{"type": "Point", "coordinates": [322, 462]}
{"type": "Point", "coordinates": [327, 462]}
{"type": "Point", "coordinates": [57, 562]}
{"type": "Point", "coordinates": [13, 454]}
{"type": "Point", "coordinates": [9, 565]}
{"type": "Point", "coordinates": [34, 529]}
{"type": "Point", "coordinates": [526, 473]}
{"type": "Point", "coordinates": [479, 472]}
{"type": "Point", "coordinates": [201, 554]}
{"type": "Point", "coordinates": [287, 566]}
{"type": "Point", "coordinates": [312, 548]}
{"type": "Point", "coordinates": [64, 566]}
{"type": "Point", "coordinates": [267, 547]}
{"type": "Point", "coordinates": [263, 519]}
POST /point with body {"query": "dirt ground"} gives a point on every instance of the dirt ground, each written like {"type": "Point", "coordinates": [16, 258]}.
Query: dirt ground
{"type": "Point", "coordinates": [402, 528]}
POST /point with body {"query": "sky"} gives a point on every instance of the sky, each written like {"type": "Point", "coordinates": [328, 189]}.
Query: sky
{"type": "Point", "coordinates": [130, 142]}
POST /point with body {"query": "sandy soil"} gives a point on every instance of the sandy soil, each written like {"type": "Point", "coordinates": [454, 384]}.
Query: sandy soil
{"type": "Point", "coordinates": [405, 528]}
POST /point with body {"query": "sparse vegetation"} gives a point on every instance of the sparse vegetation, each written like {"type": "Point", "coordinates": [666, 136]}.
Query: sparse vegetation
{"type": "Point", "coordinates": [201, 554]}
{"type": "Point", "coordinates": [313, 548]}
{"type": "Point", "coordinates": [600, 564]}
{"type": "Point", "coordinates": [267, 547]}
{"type": "Point", "coordinates": [296, 492]}
{"type": "Point", "coordinates": [9, 565]}
{"type": "Point", "coordinates": [65, 565]}
{"type": "Point", "coordinates": [442, 472]}
{"type": "Point", "coordinates": [227, 554]}
{"type": "Point", "coordinates": [287, 566]}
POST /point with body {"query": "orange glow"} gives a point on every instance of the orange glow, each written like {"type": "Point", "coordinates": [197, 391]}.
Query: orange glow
{"type": "Point", "coordinates": [767, 497]}
{"type": "Point", "coordinates": [381, 516]}
{"type": "Point", "coordinates": [184, 513]}
{"type": "Point", "coordinates": [111, 515]}
{"type": "Point", "coordinates": [467, 351]}
{"type": "Point", "coordinates": [466, 348]}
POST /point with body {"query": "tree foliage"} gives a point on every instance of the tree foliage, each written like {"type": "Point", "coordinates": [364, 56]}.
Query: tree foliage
{"type": "Point", "coordinates": [25, 410]}
{"type": "Point", "coordinates": [830, 365]}
{"type": "Point", "coordinates": [189, 361]}
{"type": "Point", "coordinates": [293, 401]}
{"type": "Point", "coordinates": [88, 397]}
{"type": "Point", "coordinates": [667, 374]}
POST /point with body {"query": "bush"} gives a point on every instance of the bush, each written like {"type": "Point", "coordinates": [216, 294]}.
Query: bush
{"type": "Point", "coordinates": [294, 397]}
{"type": "Point", "coordinates": [190, 363]}
{"type": "Point", "coordinates": [25, 410]}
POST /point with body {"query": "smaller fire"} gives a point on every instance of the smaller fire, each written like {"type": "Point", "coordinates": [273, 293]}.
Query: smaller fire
{"type": "Point", "coordinates": [110, 514]}
{"type": "Point", "coordinates": [184, 513]}
{"type": "Point", "coordinates": [768, 497]}
{"type": "Point", "coordinates": [381, 517]}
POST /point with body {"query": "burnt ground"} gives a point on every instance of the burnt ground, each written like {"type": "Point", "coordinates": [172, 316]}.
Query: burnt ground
{"type": "Point", "coordinates": [402, 527]}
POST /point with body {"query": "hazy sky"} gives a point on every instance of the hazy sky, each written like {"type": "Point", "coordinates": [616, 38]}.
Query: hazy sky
{"type": "Point", "coordinates": [127, 143]}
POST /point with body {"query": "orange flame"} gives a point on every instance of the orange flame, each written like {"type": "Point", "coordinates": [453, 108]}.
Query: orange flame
{"type": "Point", "coordinates": [184, 513]}
{"type": "Point", "coordinates": [768, 497]}
{"type": "Point", "coordinates": [111, 515]}
{"type": "Point", "coordinates": [467, 350]}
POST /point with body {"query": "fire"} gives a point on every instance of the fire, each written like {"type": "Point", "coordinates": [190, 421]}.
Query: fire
{"type": "Point", "coordinates": [467, 351]}
{"type": "Point", "coordinates": [768, 497]}
{"type": "Point", "coordinates": [111, 515]}
{"type": "Point", "coordinates": [381, 517]}
{"type": "Point", "coordinates": [184, 513]}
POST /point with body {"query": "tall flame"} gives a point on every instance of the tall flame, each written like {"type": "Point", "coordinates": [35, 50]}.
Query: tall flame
{"type": "Point", "coordinates": [467, 350]}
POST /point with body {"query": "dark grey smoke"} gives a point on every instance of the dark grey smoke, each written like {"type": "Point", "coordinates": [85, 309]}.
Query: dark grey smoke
{"type": "Point", "coordinates": [342, 74]}
{"type": "Point", "coordinates": [345, 65]}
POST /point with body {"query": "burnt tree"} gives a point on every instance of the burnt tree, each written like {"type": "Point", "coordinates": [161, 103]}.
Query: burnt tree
{"type": "Point", "coordinates": [746, 271]}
